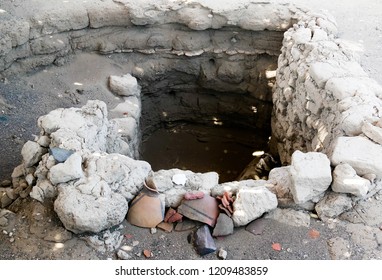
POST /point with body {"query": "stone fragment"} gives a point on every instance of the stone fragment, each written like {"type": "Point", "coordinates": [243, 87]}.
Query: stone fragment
{"type": "Point", "coordinates": [346, 180]}
{"type": "Point", "coordinates": [59, 154]}
{"type": "Point", "coordinates": [131, 107]}
{"type": "Point", "coordinates": [222, 254]}
{"type": "Point", "coordinates": [18, 171]}
{"type": "Point", "coordinates": [251, 203]}
{"type": "Point", "coordinates": [5, 183]}
{"type": "Point", "coordinates": [5, 200]}
{"type": "Point", "coordinates": [302, 35]}
{"type": "Point", "coordinates": [3, 221]}
{"type": "Point", "coordinates": [290, 217]}
{"type": "Point", "coordinates": [44, 189]}
{"type": "Point", "coordinates": [256, 227]}
{"type": "Point", "coordinates": [125, 85]}
{"type": "Point", "coordinates": [186, 225]}
{"type": "Point", "coordinates": [319, 35]}
{"type": "Point", "coordinates": [332, 205]}
{"type": "Point", "coordinates": [32, 153]}
{"type": "Point", "coordinates": [311, 175]}
{"type": "Point", "coordinates": [174, 193]}
{"type": "Point", "coordinates": [281, 184]}
{"type": "Point", "coordinates": [89, 213]}
{"type": "Point", "coordinates": [123, 255]}
{"type": "Point", "coordinates": [373, 132]}
{"type": "Point", "coordinates": [43, 141]}
{"type": "Point", "coordinates": [205, 210]}
{"type": "Point", "coordinates": [224, 226]}
{"type": "Point", "coordinates": [69, 170]}
{"type": "Point", "coordinates": [204, 242]}
{"type": "Point", "coordinates": [359, 152]}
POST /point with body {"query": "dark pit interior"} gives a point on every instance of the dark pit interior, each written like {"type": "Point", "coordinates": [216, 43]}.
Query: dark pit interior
{"type": "Point", "coordinates": [207, 113]}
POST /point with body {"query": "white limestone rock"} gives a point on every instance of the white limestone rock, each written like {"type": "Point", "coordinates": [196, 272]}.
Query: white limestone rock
{"type": "Point", "coordinates": [290, 217]}
{"type": "Point", "coordinates": [100, 199]}
{"type": "Point", "coordinates": [281, 180]}
{"type": "Point", "coordinates": [252, 203]}
{"type": "Point", "coordinates": [302, 36]}
{"type": "Point", "coordinates": [332, 205]}
{"type": "Point", "coordinates": [131, 107]}
{"type": "Point", "coordinates": [174, 193]}
{"type": "Point", "coordinates": [346, 180]}
{"type": "Point", "coordinates": [32, 153]}
{"type": "Point", "coordinates": [311, 175]}
{"type": "Point", "coordinates": [69, 170]}
{"type": "Point", "coordinates": [372, 132]}
{"type": "Point", "coordinates": [81, 212]}
{"type": "Point", "coordinates": [359, 152]}
{"type": "Point", "coordinates": [125, 85]}
{"type": "Point", "coordinates": [234, 186]}
{"type": "Point", "coordinates": [43, 189]}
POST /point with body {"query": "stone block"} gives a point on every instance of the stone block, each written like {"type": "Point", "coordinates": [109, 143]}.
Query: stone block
{"type": "Point", "coordinates": [359, 152]}
{"type": "Point", "coordinates": [204, 242]}
{"type": "Point", "coordinates": [252, 203]}
{"type": "Point", "coordinates": [32, 153]}
{"type": "Point", "coordinates": [372, 132]}
{"type": "Point", "coordinates": [125, 85]}
{"type": "Point", "coordinates": [302, 36]}
{"type": "Point", "coordinates": [333, 204]}
{"type": "Point", "coordinates": [69, 170]}
{"type": "Point", "coordinates": [311, 175]}
{"type": "Point", "coordinates": [290, 217]}
{"type": "Point", "coordinates": [346, 180]}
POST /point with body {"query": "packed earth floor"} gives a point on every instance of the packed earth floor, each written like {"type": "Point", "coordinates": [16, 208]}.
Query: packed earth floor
{"type": "Point", "coordinates": [35, 232]}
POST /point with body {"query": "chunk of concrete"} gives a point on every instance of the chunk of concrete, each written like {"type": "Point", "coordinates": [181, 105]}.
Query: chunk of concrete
{"type": "Point", "coordinates": [311, 175]}
{"type": "Point", "coordinates": [69, 170]}
{"type": "Point", "coordinates": [290, 217]}
{"type": "Point", "coordinates": [372, 132]}
{"type": "Point", "coordinates": [332, 205]}
{"type": "Point", "coordinates": [125, 85]}
{"type": "Point", "coordinates": [32, 153]}
{"type": "Point", "coordinates": [346, 180]}
{"type": "Point", "coordinates": [251, 203]}
{"type": "Point", "coordinates": [359, 152]}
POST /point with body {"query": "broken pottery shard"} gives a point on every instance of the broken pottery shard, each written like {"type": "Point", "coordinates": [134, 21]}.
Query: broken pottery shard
{"type": "Point", "coordinates": [59, 154]}
{"type": "Point", "coordinates": [256, 227]}
{"type": "Point", "coordinates": [224, 226]}
{"type": "Point", "coordinates": [167, 227]}
{"type": "Point", "coordinates": [205, 210]}
{"type": "Point", "coordinates": [186, 225]}
{"type": "Point", "coordinates": [193, 195]}
{"type": "Point", "coordinates": [146, 209]}
{"type": "Point", "coordinates": [172, 216]}
{"type": "Point", "coordinates": [204, 242]}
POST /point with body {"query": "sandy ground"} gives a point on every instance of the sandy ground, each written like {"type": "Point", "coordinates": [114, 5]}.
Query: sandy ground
{"type": "Point", "coordinates": [23, 99]}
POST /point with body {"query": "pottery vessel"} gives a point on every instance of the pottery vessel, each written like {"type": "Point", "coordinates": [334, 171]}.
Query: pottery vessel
{"type": "Point", "coordinates": [146, 209]}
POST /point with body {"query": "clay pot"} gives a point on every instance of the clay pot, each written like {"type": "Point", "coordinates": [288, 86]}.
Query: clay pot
{"type": "Point", "coordinates": [146, 209]}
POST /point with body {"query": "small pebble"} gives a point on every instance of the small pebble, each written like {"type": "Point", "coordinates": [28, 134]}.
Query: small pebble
{"type": "Point", "coordinates": [222, 254]}
{"type": "Point", "coordinates": [289, 250]}
{"type": "Point", "coordinates": [5, 232]}
{"type": "Point", "coordinates": [10, 234]}
{"type": "Point", "coordinates": [153, 230]}
{"type": "Point", "coordinates": [12, 240]}
{"type": "Point", "coordinates": [135, 243]}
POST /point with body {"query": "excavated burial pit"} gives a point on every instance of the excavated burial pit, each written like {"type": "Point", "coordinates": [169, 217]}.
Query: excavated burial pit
{"type": "Point", "coordinates": [212, 118]}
